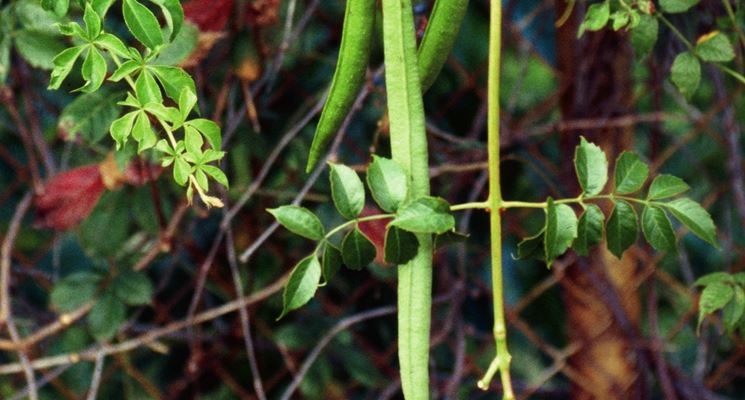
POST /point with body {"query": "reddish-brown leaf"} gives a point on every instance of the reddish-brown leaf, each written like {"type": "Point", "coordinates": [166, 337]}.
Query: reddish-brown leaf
{"type": "Point", "coordinates": [69, 197]}
{"type": "Point", "coordinates": [375, 231]}
{"type": "Point", "coordinates": [209, 15]}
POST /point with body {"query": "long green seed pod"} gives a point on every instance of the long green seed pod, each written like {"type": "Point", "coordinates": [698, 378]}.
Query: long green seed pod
{"type": "Point", "coordinates": [439, 38]}
{"type": "Point", "coordinates": [409, 150]}
{"type": "Point", "coordinates": [354, 52]}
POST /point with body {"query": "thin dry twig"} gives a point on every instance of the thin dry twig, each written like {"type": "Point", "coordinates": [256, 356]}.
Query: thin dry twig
{"type": "Point", "coordinates": [6, 313]}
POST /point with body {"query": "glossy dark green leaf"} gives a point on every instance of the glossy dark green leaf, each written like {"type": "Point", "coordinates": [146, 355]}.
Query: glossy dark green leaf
{"type": "Point", "coordinates": [657, 229]}
{"type": "Point", "coordinates": [74, 290]}
{"type": "Point", "coordinates": [400, 246]}
{"type": "Point", "coordinates": [664, 186]}
{"type": "Point", "coordinates": [347, 191]}
{"type": "Point", "coordinates": [299, 220]}
{"type": "Point", "coordinates": [331, 261]}
{"type": "Point", "coordinates": [621, 229]}
{"type": "Point", "coordinates": [631, 173]}
{"type": "Point", "coordinates": [387, 182]}
{"type": "Point", "coordinates": [591, 167]}
{"type": "Point", "coordinates": [142, 23]}
{"type": "Point", "coordinates": [425, 215]}
{"type": "Point", "coordinates": [695, 218]}
{"type": "Point", "coordinates": [302, 284]}
{"type": "Point", "coordinates": [561, 229]}
{"type": "Point", "coordinates": [357, 250]}
{"type": "Point", "coordinates": [589, 229]}
{"type": "Point", "coordinates": [448, 238]}
{"type": "Point", "coordinates": [107, 316]}
{"type": "Point", "coordinates": [532, 247]}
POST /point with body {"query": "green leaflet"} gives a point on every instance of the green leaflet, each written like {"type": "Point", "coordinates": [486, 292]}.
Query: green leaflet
{"type": "Point", "coordinates": [631, 173]}
{"type": "Point", "coordinates": [561, 230]}
{"type": "Point", "coordinates": [331, 261]}
{"type": "Point", "coordinates": [388, 183]}
{"type": "Point", "coordinates": [589, 230]}
{"type": "Point", "coordinates": [591, 167]}
{"type": "Point", "coordinates": [664, 186]}
{"type": "Point", "coordinates": [299, 220]}
{"type": "Point", "coordinates": [107, 316]}
{"type": "Point", "coordinates": [74, 290]}
{"type": "Point", "coordinates": [425, 215]}
{"type": "Point", "coordinates": [400, 246]}
{"type": "Point", "coordinates": [686, 73]}
{"type": "Point", "coordinates": [347, 191]}
{"type": "Point", "coordinates": [357, 250]}
{"type": "Point", "coordinates": [715, 47]}
{"type": "Point", "coordinates": [621, 229]}
{"type": "Point", "coordinates": [142, 23]}
{"type": "Point", "coordinates": [657, 229]}
{"type": "Point", "coordinates": [695, 218]}
{"type": "Point", "coordinates": [301, 285]}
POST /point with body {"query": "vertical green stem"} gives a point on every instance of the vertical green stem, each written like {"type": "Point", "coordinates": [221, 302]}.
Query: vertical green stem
{"type": "Point", "coordinates": [502, 358]}
{"type": "Point", "coordinates": [409, 149]}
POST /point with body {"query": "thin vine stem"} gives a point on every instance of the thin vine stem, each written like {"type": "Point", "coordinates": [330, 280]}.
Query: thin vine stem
{"type": "Point", "coordinates": [733, 18]}
{"type": "Point", "coordinates": [692, 49]}
{"type": "Point", "coordinates": [502, 359]}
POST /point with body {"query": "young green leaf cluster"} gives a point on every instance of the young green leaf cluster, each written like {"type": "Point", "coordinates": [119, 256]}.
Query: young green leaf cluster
{"type": "Point", "coordinates": [724, 292]}
{"type": "Point", "coordinates": [128, 288]}
{"type": "Point", "coordinates": [31, 31]}
{"type": "Point", "coordinates": [563, 230]}
{"type": "Point", "coordinates": [643, 20]}
{"type": "Point", "coordinates": [153, 87]}
{"type": "Point", "coordinates": [388, 185]}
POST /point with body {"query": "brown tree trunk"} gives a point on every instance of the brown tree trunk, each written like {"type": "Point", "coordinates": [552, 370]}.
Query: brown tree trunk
{"type": "Point", "coordinates": [599, 292]}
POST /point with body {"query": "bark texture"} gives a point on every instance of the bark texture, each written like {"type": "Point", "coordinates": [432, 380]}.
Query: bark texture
{"type": "Point", "coordinates": [600, 292]}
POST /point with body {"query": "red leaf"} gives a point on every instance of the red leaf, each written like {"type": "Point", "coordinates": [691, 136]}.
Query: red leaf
{"type": "Point", "coordinates": [208, 15]}
{"type": "Point", "coordinates": [69, 197]}
{"type": "Point", "coordinates": [375, 231]}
